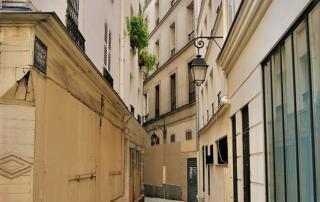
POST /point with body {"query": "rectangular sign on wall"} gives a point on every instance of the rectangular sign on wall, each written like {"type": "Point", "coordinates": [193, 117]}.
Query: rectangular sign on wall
{"type": "Point", "coordinates": [40, 55]}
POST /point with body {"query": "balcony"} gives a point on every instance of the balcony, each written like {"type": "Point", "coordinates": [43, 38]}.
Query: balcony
{"type": "Point", "coordinates": [192, 96]}
{"type": "Point", "coordinates": [173, 2]}
{"type": "Point", "coordinates": [191, 36]}
{"type": "Point", "coordinates": [72, 28]}
{"type": "Point", "coordinates": [173, 52]}
{"type": "Point", "coordinates": [107, 77]}
{"type": "Point", "coordinates": [132, 109]}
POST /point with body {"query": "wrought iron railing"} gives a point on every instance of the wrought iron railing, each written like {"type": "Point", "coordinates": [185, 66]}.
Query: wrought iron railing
{"type": "Point", "coordinates": [191, 35]}
{"type": "Point", "coordinates": [107, 76]}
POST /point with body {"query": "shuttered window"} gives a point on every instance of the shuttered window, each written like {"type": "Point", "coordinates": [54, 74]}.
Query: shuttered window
{"type": "Point", "coordinates": [173, 91]}
{"type": "Point", "coordinates": [246, 154]}
{"type": "Point", "coordinates": [234, 159]}
{"type": "Point", "coordinates": [192, 89]}
{"type": "Point", "coordinates": [157, 101]}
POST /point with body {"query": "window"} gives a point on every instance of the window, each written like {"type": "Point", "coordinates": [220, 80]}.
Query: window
{"type": "Point", "coordinates": [222, 150]}
{"type": "Point", "coordinates": [203, 169]}
{"type": "Point", "coordinates": [72, 22]}
{"type": "Point", "coordinates": [173, 91]}
{"type": "Point", "coordinates": [233, 6]}
{"type": "Point", "coordinates": [188, 135]}
{"type": "Point", "coordinates": [145, 101]}
{"type": "Point", "coordinates": [154, 140]}
{"type": "Point", "coordinates": [246, 154]}
{"type": "Point", "coordinates": [209, 155]}
{"type": "Point", "coordinates": [157, 52]}
{"type": "Point", "coordinates": [219, 99]}
{"type": "Point", "coordinates": [173, 39]}
{"type": "Point", "coordinates": [314, 19]}
{"type": "Point", "coordinates": [107, 47]}
{"type": "Point", "coordinates": [157, 9]}
{"type": "Point", "coordinates": [132, 109]}
{"type": "Point", "coordinates": [192, 88]}
{"type": "Point", "coordinates": [190, 21]}
{"type": "Point", "coordinates": [291, 77]}
{"type": "Point", "coordinates": [234, 159]}
{"type": "Point", "coordinates": [173, 138]}
{"type": "Point", "coordinates": [157, 101]}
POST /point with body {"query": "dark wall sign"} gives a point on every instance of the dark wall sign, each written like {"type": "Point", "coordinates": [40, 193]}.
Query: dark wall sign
{"type": "Point", "coordinates": [40, 55]}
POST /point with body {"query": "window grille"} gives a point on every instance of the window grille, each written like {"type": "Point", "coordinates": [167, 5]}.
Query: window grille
{"type": "Point", "coordinates": [173, 138]}
{"type": "Point", "coordinates": [189, 135]}
{"type": "Point", "coordinates": [72, 22]}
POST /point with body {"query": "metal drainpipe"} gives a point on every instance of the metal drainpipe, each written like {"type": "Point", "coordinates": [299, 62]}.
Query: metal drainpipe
{"type": "Point", "coordinates": [197, 138]}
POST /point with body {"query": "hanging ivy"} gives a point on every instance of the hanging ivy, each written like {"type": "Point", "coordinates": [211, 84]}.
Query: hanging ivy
{"type": "Point", "coordinates": [139, 40]}
{"type": "Point", "coordinates": [138, 32]}
{"type": "Point", "coordinates": [147, 60]}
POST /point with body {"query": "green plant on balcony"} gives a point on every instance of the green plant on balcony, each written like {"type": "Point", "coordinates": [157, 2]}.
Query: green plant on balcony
{"type": "Point", "coordinates": [147, 60]}
{"type": "Point", "coordinates": [138, 32]}
{"type": "Point", "coordinates": [139, 40]}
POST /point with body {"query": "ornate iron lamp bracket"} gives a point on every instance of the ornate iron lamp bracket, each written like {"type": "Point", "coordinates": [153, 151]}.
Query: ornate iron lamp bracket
{"type": "Point", "coordinates": [199, 43]}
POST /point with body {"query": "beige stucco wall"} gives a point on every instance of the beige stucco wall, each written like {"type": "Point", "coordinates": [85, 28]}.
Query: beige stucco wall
{"type": "Point", "coordinates": [220, 183]}
{"type": "Point", "coordinates": [173, 159]}
{"type": "Point", "coordinates": [62, 126]}
{"type": "Point", "coordinates": [92, 17]}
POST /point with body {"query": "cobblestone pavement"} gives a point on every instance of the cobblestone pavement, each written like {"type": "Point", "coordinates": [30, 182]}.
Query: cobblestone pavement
{"type": "Point", "coordinates": [159, 200]}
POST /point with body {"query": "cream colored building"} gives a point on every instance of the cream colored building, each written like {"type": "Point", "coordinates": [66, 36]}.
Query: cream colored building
{"type": "Point", "coordinates": [258, 119]}
{"type": "Point", "coordinates": [102, 25]}
{"type": "Point", "coordinates": [69, 133]}
{"type": "Point", "coordinates": [169, 95]}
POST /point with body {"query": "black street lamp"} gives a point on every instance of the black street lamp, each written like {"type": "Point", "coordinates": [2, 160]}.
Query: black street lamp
{"type": "Point", "coordinates": [198, 65]}
{"type": "Point", "coordinates": [198, 70]}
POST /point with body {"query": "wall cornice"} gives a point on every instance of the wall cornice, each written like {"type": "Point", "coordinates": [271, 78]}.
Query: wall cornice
{"type": "Point", "coordinates": [245, 23]}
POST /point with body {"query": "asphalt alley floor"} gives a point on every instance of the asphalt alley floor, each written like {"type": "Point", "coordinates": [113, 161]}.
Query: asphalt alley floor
{"type": "Point", "coordinates": [159, 200]}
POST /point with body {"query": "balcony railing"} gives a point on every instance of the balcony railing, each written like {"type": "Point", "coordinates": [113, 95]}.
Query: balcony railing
{"type": "Point", "coordinates": [219, 99]}
{"type": "Point", "coordinates": [191, 35]}
{"type": "Point", "coordinates": [192, 96]}
{"type": "Point", "coordinates": [173, 2]}
{"type": "Point", "coordinates": [72, 28]}
{"type": "Point", "coordinates": [107, 77]}
{"type": "Point", "coordinates": [173, 52]}
{"type": "Point", "coordinates": [132, 109]}
{"type": "Point", "coordinates": [157, 21]}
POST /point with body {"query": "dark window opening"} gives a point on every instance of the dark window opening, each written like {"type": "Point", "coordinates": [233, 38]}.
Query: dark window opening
{"type": "Point", "coordinates": [222, 149]}
{"type": "Point", "coordinates": [154, 140]}
{"type": "Point", "coordinates": [203, 169]}
{"type": "Point", "coordinates": [246, 154]}
{"type": "Point", "coordinates": [209, 155]}
{"type": "Point", "coordinates": [234, 159]}
{"type": "Point", "coordinates": [132, 109]}
{"type": "Point", "coordinates": [157, 101]}
{"type": "Point", "coordinates": [189, 135]}
{"type": "Point", "coordinates": [173, 138]}
{"type": "Point", "coordinates": [72, 22]}
{"type": "Point", "coordinates": [173, 91]}
{"type": "Point", "coordinates": [192, 88]}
